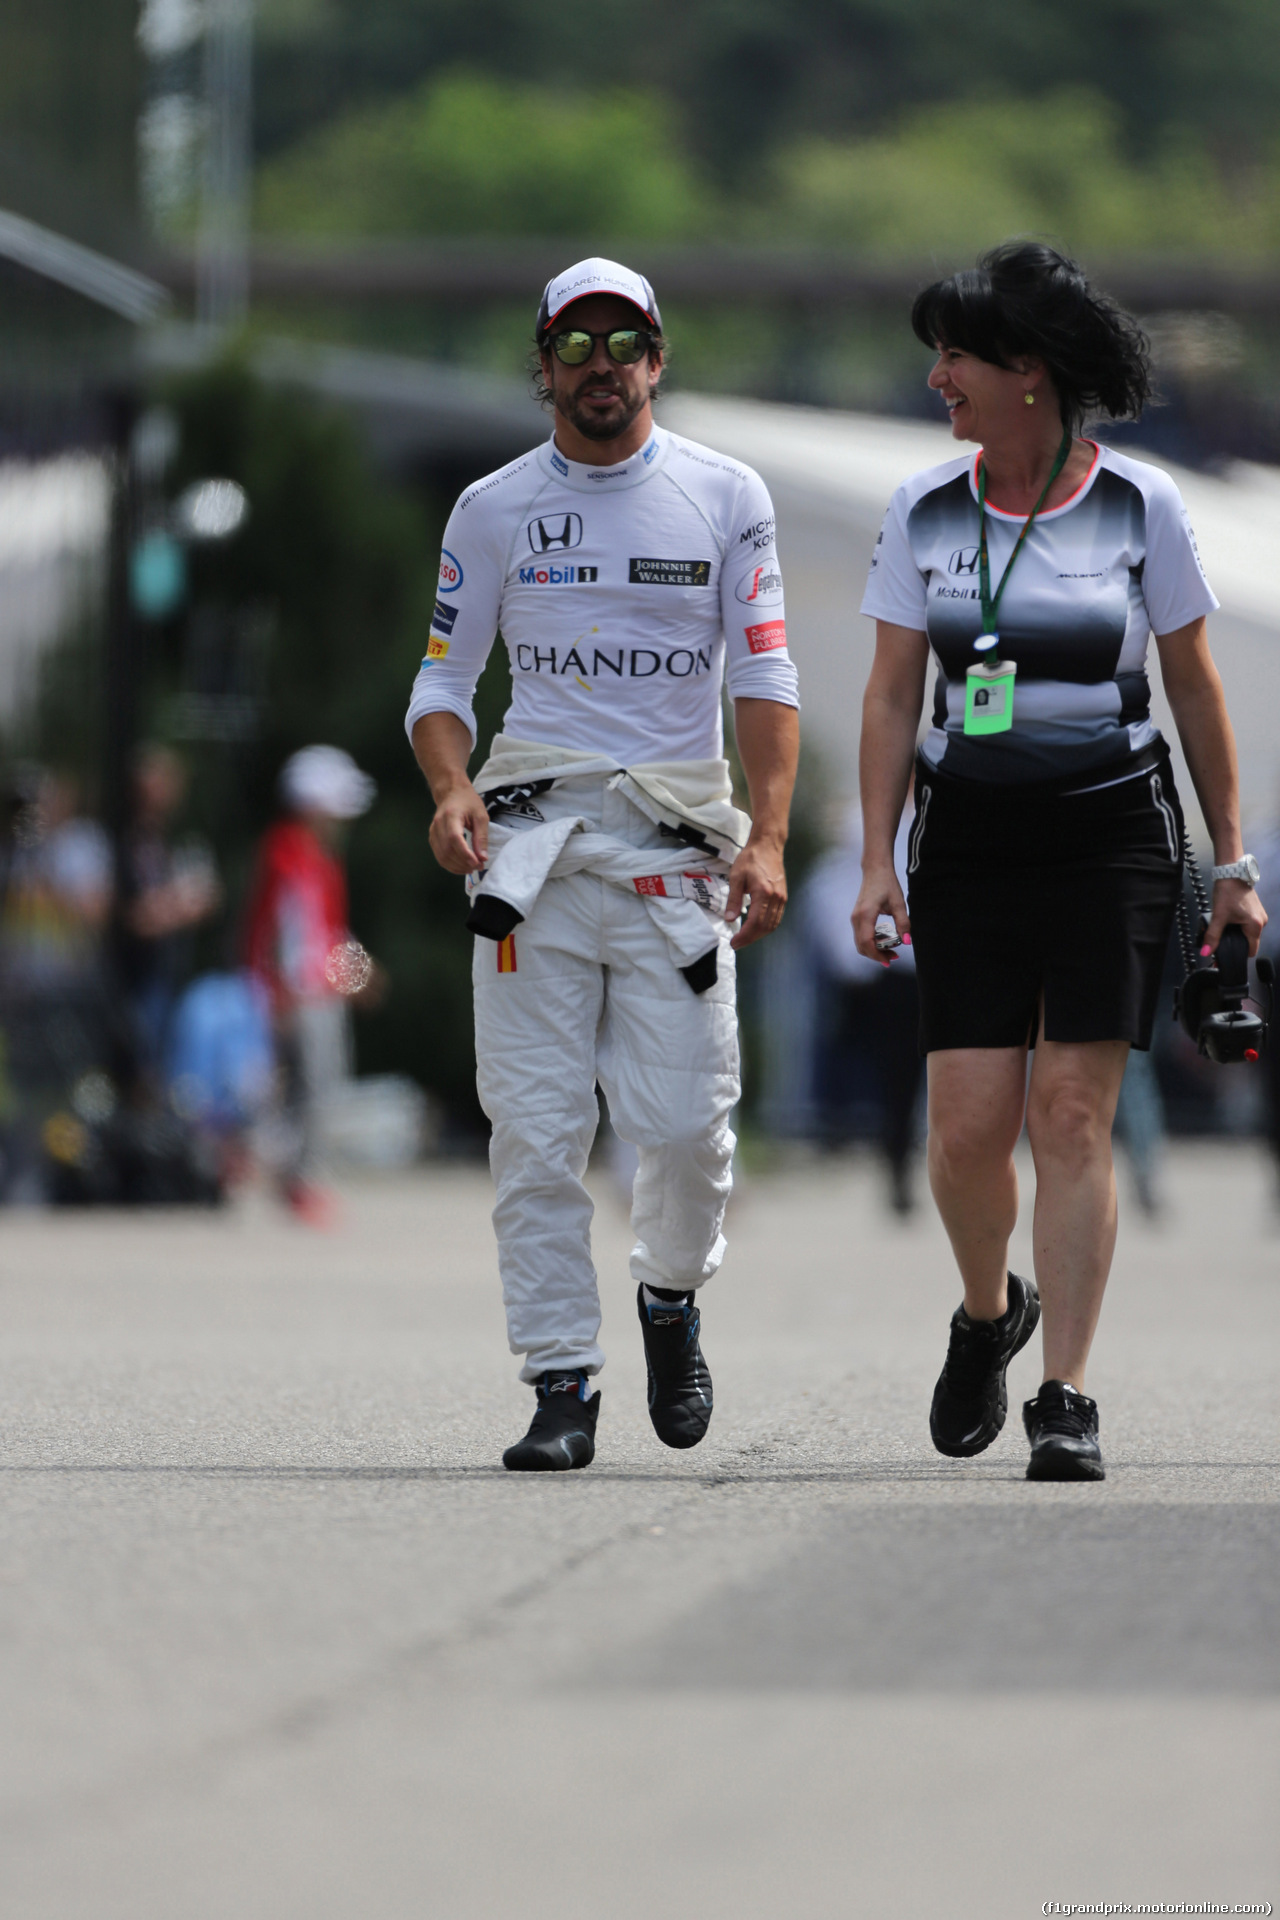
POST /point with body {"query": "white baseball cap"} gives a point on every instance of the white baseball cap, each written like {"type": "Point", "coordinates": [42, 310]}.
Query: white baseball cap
{"type": "Point", "coordinates": [596, 276]}
{"type": "Point", "coordinates": [326, 780]}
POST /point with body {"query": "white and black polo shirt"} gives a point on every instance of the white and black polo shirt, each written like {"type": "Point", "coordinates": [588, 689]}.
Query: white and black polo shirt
{"type": "Point", "coordinates": [1097, 576]}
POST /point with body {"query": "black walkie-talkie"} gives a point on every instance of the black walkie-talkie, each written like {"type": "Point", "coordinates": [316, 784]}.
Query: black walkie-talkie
{"type": "Point", "coordinates": [1210, 1001]}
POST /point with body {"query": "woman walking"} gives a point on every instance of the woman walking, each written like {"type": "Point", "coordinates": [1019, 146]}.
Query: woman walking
{"type": "Point", "coordinates": [1046, 854]}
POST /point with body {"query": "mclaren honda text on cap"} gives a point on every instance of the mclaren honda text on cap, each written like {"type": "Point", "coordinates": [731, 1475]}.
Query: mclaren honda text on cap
{"type": "Point", "coordinates": [597, 276]}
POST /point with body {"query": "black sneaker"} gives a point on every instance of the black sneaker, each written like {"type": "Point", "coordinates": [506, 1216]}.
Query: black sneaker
{"type": "Point", "coordinates": [562, 1433]}
{"type": "Point", "coordinates": [679, 1383]}
{"type": "Point", "coordinates": [970, 1400]}
{"type": "Point", "coordinates": [1062, 1426]}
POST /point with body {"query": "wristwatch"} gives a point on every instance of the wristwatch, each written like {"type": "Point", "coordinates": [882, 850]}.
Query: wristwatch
{"type": "Point", "coordinates": [1246, 869]}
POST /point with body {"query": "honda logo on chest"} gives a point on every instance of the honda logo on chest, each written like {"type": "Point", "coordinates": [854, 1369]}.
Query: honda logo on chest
{"type": "Point", "coordinates": [557, 530]}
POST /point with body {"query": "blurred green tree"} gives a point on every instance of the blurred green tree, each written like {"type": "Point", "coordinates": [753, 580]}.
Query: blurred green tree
{"type": "Point", "coordinates": [748, 78]}
{"type": "Point", "coordinates": [472, 154]}
{"type": "Point", "coordinates": [70, 87]}
{"type": "Point", "coordinates": [475, 155]}
{"type": "Point", "coordinates": [949, 180]}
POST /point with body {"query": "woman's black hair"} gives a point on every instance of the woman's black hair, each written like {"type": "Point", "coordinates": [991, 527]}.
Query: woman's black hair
{"type": "Point", "coordinates": [1023, 298]}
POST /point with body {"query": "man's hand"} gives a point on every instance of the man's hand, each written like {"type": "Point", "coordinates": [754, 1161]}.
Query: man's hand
{"type": "Point", "coordinates": [769, 747]}
{"type": "Point", "coordinates": [757, 874]}
{"type": "Point", "coordinates": [443, 746]}
{"type": "Point", "coordinates": [460, 812]}
{"type": "Point", "coordinates": [880, 894]}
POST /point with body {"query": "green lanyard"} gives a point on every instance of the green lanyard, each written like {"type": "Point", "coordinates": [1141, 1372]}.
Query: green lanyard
{"type": "Point", "coordinates": [990, 608]}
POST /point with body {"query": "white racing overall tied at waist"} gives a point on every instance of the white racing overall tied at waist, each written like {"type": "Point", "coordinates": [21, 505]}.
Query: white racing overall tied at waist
{"type": "Point", "coordinates": [630, 592]}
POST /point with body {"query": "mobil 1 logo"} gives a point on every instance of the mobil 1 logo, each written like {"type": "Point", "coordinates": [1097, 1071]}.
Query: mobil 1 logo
{"type": "Point", "coordinates": [550, 575]}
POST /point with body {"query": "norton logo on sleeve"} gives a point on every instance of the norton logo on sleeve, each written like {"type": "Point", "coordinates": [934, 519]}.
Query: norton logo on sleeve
{"type": "Point", "coordinates": [762, 587]}
{"type": "Point", "coordinates": [444, 617]}
{"type": "Point", "coordinates": [764, 638]}
{"type": "Point", "coordinates": [963, 560]}
{"type": "Point", "coordinates": [670, 573]}
{"type": "Point", "coordinates": [557, 530]}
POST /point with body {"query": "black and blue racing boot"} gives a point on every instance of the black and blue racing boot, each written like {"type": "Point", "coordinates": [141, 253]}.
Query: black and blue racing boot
{"type": "Point", "coordinates": [679, 1383]}
{"type": "Point", "coordinates": [562, 1433]}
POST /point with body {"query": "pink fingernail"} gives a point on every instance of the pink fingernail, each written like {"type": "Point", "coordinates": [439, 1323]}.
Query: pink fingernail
{"type": "Point", "coordinates": [906, 939]}
{"type": "Point", "coordinates": [1205, 951]}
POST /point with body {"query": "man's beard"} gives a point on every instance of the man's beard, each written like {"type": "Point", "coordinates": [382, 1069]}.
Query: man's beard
{"type": "Point", "coordinates": [591, 425]}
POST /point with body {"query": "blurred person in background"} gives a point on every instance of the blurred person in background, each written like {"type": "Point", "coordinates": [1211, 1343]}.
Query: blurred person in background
{"type": "Point", "coordinates": [631, 573]}
{"type": "Point", "coordinates": [220, 1068]}
{"type": "Point", "coordinates": [1045, 857]}
{"type": "Point", "coordinates": [57, 1014]}
{"type": "Point", "coordinates": [58, 888]}
{"type": "Point", "coordinates": [300, 947]}
{"type": "Point", "coordinates": [1140, 1128]}
{"type": "Point", "coordinates": [170, 892]}
{"type": "Point", "coordinates": [872, 1011]}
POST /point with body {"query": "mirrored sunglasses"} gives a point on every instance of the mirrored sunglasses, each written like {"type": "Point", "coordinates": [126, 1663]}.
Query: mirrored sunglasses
{"type": "Point", "coordinates": [625, 345]}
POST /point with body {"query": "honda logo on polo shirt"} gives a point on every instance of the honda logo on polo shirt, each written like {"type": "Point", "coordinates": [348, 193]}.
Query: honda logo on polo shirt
{"type": "Point", "coordinates": [963, 560]}
{"type": "Point", "coordinates": [557, 530]}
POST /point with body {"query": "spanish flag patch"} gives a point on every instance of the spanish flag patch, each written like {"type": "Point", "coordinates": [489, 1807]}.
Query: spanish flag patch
{"type": "Point", "coordinates": [507, 954]}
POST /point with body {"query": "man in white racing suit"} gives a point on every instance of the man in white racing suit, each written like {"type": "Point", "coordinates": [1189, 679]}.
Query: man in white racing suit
{"type": "Point", "coordinates": [632, 574]}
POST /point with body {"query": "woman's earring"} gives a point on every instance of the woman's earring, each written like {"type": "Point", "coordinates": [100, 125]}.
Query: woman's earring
{"type": "Point", "coordinates": [1030, 399]}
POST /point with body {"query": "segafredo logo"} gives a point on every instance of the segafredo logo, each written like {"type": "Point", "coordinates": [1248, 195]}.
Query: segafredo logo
{"type": "Point", "coordinates": [762, 587]}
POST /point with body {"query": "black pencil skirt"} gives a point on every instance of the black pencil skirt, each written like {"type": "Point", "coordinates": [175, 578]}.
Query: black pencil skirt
{"type": "Point", "coordinates": [1022, 896]}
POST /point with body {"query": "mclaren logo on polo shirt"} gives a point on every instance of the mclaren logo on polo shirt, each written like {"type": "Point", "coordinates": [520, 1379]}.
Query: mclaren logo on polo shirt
{"type": "Point", "coordinates": [670, 573]}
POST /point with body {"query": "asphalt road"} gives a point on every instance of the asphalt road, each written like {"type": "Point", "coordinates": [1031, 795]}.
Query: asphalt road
{"type": "Point", "coordinates": [281, 1641]}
